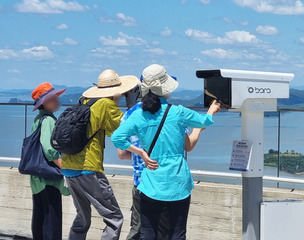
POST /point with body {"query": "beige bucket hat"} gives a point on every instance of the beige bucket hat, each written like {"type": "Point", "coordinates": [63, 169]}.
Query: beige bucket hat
{"type": "Point", "coordinates": [110, 84]}
{"type": "Point", "coordinates": [156, 79]}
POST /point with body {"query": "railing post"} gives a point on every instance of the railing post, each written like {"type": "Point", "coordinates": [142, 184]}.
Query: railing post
{"type": "Point", "coordinates": [279, 146]}
{"type": "Point", "coordinates": [25, 120]}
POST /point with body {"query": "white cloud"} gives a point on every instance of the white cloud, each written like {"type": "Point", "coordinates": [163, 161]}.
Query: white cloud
{"type": "Point", "coordinates": [239, 37]}
{"type": "Point", "coordinates": [33, 53]}
{"type": "Point", "coordinates": [199, 35]}
{"type": "Point", "coordinates": [267, 30]}
{"type": "Point", "coordinates": [37, 53]}
{"type": "Point", "coordinates": [121, 19]}
{"type": "Point", "coordinates": [221, 53]}
{"type": "Point", "coordinates": [280, 56]}
{"type": "Point", "coordinates": [66, 41]}
{"type": "Point", "coordinates": [49, 6]}
{"type": "Point", "coordinates": [270, 50]}
{"type": "Point", "coordinates": [302, 39]}
{"type": "Point", "coordinates": [126, 20]}
{"type": "Point", "coordinates": [156, 51]}
{"type": "Point", "coordinates": [166, 32]}
{"type": "Point", "coordinates": [252, 56]}
{"type": "Point", "coordinates": [54, 43]}
{"type": "Point", "coordinates": [62, 26]}
{"type": "Point", "coordinates": [197, 60]}
{"type": "Point", "coordinates": [230, 54]}
{"type": "Point", "coordinates": [287, 7]}
{"type": "Point", "coordinates": [160, 51]}
{"type": "Point", "coordinates": [69, 41]}
{"type": "Point", "coordinates": [13, 70]}
{"type": "Point", "coordinates": [232, 37]}
{"type": "Point", "coordinates": [123, 51]}
{"type": "Point", "coordinates": [6, 54]}
{"type": "Point", "coordinates": [109, 52]}
{"type": "Point", "coordinates": [122, 40]}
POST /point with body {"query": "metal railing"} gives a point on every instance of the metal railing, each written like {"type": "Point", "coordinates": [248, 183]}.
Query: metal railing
{"type": "Point", "coordinates": [200, 173]}
{"type": "Point", "coordinates": [276, 179]}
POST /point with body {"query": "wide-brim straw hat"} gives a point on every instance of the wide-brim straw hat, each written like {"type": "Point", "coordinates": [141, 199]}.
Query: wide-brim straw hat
{"type": "Point", "coordinates": [44, 92]}
{"type": "Point", "coordinates": [158, 81]}
{"type": "Point", "coordinates": [110, 83]}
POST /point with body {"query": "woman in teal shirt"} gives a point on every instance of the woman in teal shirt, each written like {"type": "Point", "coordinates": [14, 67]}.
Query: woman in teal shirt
{"type": "Point", "coordinates": [167, 180]}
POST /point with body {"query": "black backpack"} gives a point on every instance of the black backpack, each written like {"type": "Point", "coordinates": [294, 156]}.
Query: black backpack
{"type": "Point", "coordinates": [70, 132]}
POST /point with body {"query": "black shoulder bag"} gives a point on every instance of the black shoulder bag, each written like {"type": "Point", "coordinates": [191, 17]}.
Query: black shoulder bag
{"type": "Point", "coordinates": [33, 160]}
{"type": "Point", "coordinates": [159, 129]}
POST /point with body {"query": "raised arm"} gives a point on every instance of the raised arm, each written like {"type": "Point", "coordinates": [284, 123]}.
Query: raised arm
{"type": "Point", "coordinates": [192, 139]}
{"type": "Point", "coordinates": [196, 120]}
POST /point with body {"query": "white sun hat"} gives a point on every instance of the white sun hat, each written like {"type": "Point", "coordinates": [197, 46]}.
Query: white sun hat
{"type": "Point", "coordinates": [110, 84]}
{"type": "Point", "coordinates": [156, 79]}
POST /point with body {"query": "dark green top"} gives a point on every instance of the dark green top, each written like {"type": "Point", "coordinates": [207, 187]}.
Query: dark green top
{"type": "Point", "coordinates": [47, 126]}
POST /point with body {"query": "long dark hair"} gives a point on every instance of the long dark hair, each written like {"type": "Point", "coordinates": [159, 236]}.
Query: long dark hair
{"type": "Point", "coordinates": [151, 102]}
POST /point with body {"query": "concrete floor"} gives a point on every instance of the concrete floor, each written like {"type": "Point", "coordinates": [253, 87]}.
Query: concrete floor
{"type": "Point", "coordinates": [215, 212]}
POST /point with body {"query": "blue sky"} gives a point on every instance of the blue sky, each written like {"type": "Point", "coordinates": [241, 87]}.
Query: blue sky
{"type": "Point", "coordinates": [70, 42]}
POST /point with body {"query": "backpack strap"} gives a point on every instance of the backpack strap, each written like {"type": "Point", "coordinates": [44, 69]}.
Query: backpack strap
{"type": "Point", "coordinates": [80, 101]}
{"type": "Point", "coordinates": [159, 129]}
{"type": "Point", "coordinates": [90, 102]}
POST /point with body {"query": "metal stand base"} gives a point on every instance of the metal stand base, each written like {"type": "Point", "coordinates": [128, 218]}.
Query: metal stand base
{"type": "Point", "coordinates": [252, 198]}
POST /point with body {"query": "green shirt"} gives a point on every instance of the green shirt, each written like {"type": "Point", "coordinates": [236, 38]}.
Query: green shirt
{"type": "Point", "coordinates": [38, 183]}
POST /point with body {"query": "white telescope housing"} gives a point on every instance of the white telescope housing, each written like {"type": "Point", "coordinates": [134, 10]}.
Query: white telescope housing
{"type": "Point", "coordinates": [233, 87]}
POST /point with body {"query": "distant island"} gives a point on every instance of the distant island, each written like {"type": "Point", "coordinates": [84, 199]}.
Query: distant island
{"type": "Point", "coordinates": [187, 98]}
{"type": "Point", "coordinates": [17, 100]}
{"type": "Point", "coordinates": [290, 161]}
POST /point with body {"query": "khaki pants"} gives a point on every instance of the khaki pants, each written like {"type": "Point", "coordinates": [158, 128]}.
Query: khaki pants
{"type": "Point", "coordinates": [94, 189]}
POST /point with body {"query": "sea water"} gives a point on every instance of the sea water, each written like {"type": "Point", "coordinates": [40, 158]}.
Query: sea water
{"type": "Point", "coordinates": [212, 152]}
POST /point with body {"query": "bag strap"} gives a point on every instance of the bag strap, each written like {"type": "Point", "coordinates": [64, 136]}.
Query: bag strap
{"type": "Point", "coordinates": [89, 103]}
{"type": "Point", "coordinates": [42, 118]}
{"type": "Point", "coordinates": [40, 122]}
{"type": "Point", "coordinates": [159, 129]}
{"type": "Point", "coordinates": [92, 101]}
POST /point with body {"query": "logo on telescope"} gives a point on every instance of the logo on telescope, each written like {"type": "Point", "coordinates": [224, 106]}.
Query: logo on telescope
{"type": "Point", "coordinates": [258, 90]}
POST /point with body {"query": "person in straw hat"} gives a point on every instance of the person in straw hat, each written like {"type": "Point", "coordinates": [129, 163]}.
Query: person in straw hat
{"type": "Point", "coordinates": [84, 171]}
{"type": "Point", "coordinates": [47, 205]}
{"type": "Point", "coordinates": [166, 181]}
